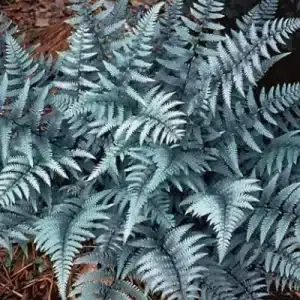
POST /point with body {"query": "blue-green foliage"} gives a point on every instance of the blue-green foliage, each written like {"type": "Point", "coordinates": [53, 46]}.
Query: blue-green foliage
{"type": "Point", "coordinates": [157, 144]}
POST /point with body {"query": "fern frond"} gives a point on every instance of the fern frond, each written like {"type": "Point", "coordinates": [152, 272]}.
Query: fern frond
{"type": "Point", "coordinates": [258, 15]}
{"type": "Point", "coordinates": [278, 211]}
{"type": "Point", "coordinates": [156, 116]}
{"type": "Point", "coordinates": [240, 57]}
{"type": "Point", "coordinates": [18, 179]}
{"type": "Point", "coordinates": [109, 239]}
{"type": "Point", "coordinates": [108, 162]}
{"type": "Point", "coordinates": [77, 66]}
{"type": "Point", "coordinates": [282, 265]}
{"type": "Point", "coordinates": [280, 100]}
{"type": "Point", "coordinates": [103, 284]}
{"type": "Point", "coordinates": [206, 12]}
{"type": "Point", "coordinates": [61, 233]}
{"type": "Point", "coordinates": [235, 277]}
{"type": "Point", "coordinates": [170, 250]}
{"type": "Point", "coordinates": [16, 225]}
{"type": "Point", "coordinates": [158, 207]}
{"type": "Point", "coordinates": [281, 151]}
{"type": "Point", "coordinates": [225, 206]}
{"type": "Point", "coordinates": [137, 194]}
{"type": "Point", "coordinates": [19, 66]}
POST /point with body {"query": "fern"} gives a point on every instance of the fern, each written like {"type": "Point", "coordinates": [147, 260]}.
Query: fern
{"type": "Point", "coordinates": [151, 138]}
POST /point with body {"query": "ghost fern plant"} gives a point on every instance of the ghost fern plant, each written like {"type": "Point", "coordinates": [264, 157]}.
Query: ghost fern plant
{"type": "Point", "coordinates": [155, 142]}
